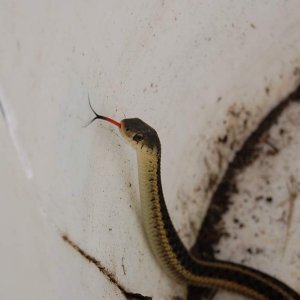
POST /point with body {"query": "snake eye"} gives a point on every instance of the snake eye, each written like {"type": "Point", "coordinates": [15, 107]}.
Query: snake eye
{"type": "Point", "coordinates": [138, 137]}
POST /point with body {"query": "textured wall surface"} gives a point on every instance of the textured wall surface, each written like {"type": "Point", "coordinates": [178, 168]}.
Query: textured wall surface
{"type": "Point", "coordinates": [185, 67]}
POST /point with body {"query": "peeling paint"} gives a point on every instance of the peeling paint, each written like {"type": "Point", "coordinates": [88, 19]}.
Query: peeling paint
{"type": "Point", "coordinates": [294, 189]}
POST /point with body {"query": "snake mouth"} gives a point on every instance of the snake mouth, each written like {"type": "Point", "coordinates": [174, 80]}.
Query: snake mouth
{"type": "Point", "coordinates": [126, 132]}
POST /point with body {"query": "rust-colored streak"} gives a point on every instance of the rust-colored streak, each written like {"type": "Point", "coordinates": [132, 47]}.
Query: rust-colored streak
{"type": "Point", "coordinates": [103, 270]}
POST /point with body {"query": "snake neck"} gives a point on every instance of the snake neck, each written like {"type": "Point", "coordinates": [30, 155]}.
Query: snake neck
{"type": "Point", "coordinates": [161, 234]}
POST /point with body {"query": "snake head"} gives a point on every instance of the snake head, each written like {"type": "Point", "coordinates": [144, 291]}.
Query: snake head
{"type": "Point", "coordinates": [140, 135]}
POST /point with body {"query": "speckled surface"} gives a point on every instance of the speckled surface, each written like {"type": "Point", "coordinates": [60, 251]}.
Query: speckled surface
{"type": "Point", "coordinates": [251, 213]}
{"type": "Point", "coordinates": [187, 69]}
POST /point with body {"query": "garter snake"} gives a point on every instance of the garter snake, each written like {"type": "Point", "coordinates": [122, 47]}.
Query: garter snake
{"type": "Point", "coordinates": [163, 239]}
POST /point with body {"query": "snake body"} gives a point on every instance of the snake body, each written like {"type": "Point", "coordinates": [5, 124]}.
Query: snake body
{"type": "Point", "coordinates": [164, 240]}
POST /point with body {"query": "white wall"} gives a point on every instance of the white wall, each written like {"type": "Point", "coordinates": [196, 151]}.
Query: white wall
{"type": "Point", "coordinates": [178, 65]}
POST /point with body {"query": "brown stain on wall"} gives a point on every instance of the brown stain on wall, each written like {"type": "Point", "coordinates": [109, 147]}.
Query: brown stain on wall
{"type": "Point", "coordinates": [104, 271]}
{"type": "Point", "coordinates": [212, 229]}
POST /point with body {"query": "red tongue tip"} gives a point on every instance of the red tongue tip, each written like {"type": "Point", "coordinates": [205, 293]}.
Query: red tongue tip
{"type": "Point", "coordinates": [112, 121]}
